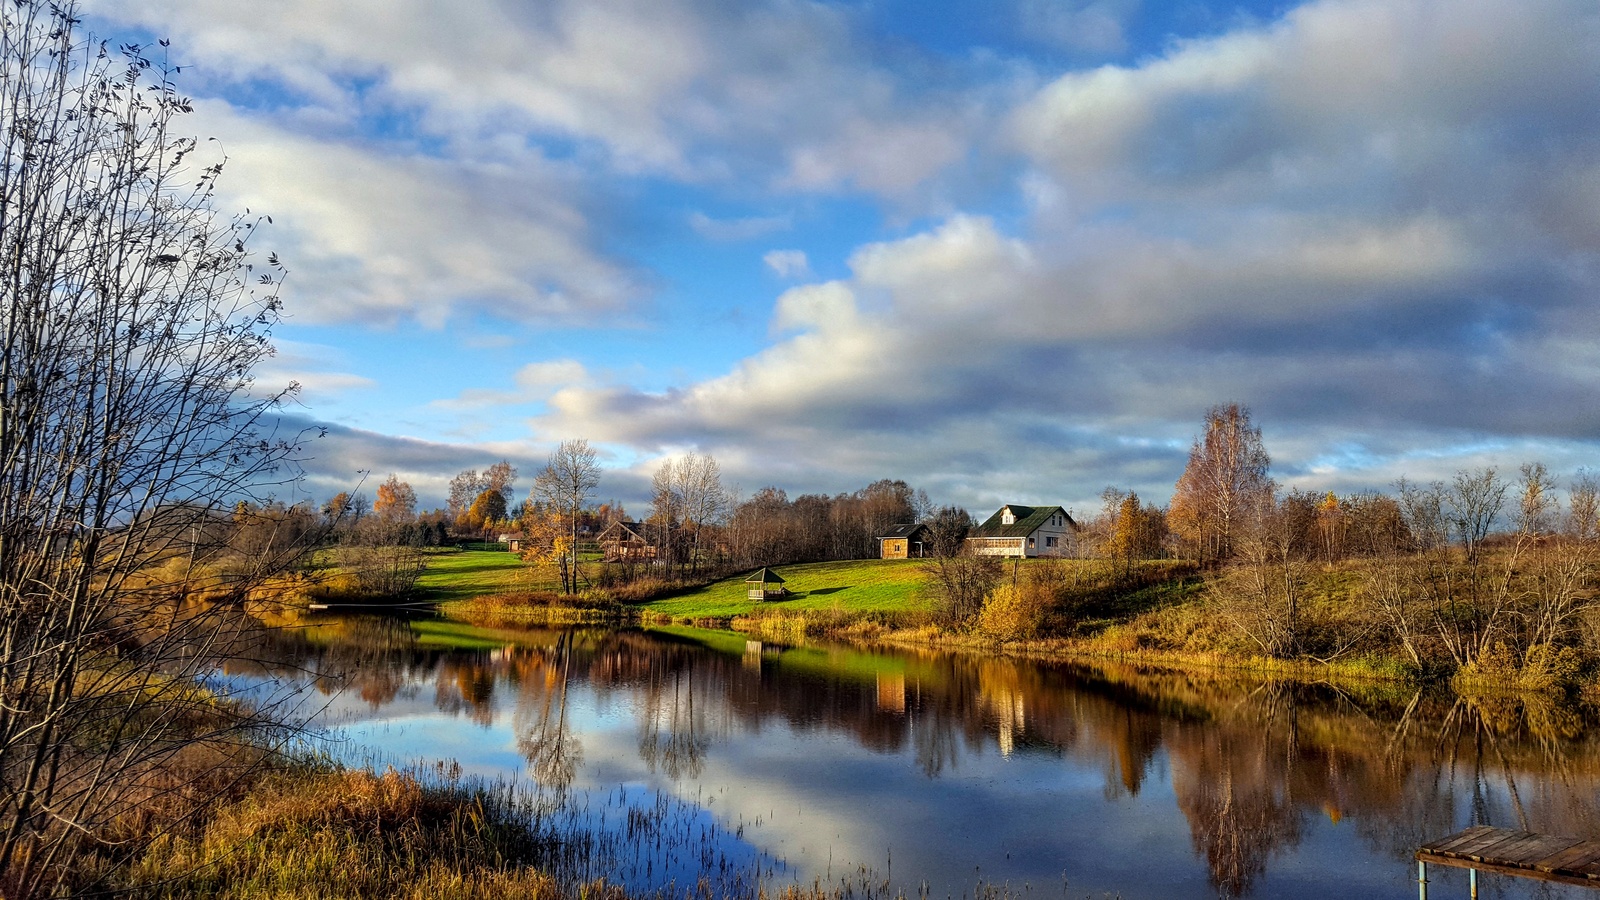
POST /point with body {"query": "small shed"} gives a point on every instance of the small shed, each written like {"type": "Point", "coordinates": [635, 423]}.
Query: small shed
{"type": "Point", "coordinates": [904, 542]}
{"type": "Point", "coordinates": [765, 585]}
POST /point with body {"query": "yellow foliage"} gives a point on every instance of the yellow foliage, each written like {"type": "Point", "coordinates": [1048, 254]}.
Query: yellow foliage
{"type": "Point", "coordinates": [1014, 613]}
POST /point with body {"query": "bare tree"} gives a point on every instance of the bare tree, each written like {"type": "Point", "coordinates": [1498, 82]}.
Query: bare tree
{"type": "Point", "coordinates": [963, 579]}
{"type": "Point", "coordinates": [564, 484]}
{"type": "Point", "coordinates": [687, 494]}
{"type": "Point", "coordinates": [1583, 506]}
{"type": "Point", "coordinates": [131, 319]}
{"type": "Point", "coordinates": [1262, 594]}
{"type": "Point", "coordinates": [464, 488]}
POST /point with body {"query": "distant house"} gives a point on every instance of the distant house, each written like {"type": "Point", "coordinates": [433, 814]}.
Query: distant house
{"type": "Point", "coordinates": [513, 540]}
{"type": "Point", "coordinates": [626, 542]}
{"type": "Point", "coordinates": [905, 542]}
{"type": "Point", "coordinates": [1022, 531]}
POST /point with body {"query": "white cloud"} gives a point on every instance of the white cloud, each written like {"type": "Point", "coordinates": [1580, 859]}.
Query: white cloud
{"type": "Point", "coordinates": [379, 237]}
{"type": "Point", "coordinates": [787, 263]}
{"type": "Point", "coordinates": [733, 230]}
{"type": "Point", "coordinates": [1094, 26]}
{"type": "Point", "coordinates": [691, 89]}
{"type": "Point", "coordinates": [314, 368]}
{"type": "Point", "coordinates": [533, 383]}
{"type": "Point", "coordinates": [1368, 218]}
{"type": "Point", "coordinates": [1336, 218]}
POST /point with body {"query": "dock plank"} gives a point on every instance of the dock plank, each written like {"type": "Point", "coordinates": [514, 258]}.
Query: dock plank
{"type": "Point", "coordinates": [1455, 841]}
{"type": "Point", "coordinates": [1475, 844]}
{"type": "Point", "coordinates": [1571, 858]}
{"type": "Point", "coordinates": [1527, 854]}
{"type": "Point", "coordinates": [1497, 845]}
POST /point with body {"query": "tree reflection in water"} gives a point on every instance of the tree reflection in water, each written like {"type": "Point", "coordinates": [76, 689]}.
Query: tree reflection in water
{"type": "Point", "coordinates": [544, 735]}
{"type": "Point", "coordinates": [1253, 768]}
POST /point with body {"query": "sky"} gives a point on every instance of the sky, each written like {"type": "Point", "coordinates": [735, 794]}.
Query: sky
{"type": "Point", "coordinates": [1006, 251]}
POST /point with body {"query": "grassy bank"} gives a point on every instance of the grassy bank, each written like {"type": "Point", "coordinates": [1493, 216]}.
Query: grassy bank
{"type": "Point", "coordinates": [1162, 614]}
{"type": "Point", "coordinates": [849, 587]}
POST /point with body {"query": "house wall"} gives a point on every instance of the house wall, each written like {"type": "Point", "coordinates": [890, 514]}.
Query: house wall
{"type": "Point", "coordinates": [1049, 540]}
{"type": "Point", "coordinates": [998, 546]}
{"type": "Point", "coordinates": [894, 548]}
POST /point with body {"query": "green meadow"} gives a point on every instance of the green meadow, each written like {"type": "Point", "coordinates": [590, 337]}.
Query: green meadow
{"type": "Point", "coordinates": [461, 574]}
{"type": "Point", "coordinates": [852, 586]}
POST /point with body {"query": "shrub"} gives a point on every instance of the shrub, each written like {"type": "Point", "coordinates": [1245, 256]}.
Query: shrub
{"type": "Point", "coordinates": [1014, 612]}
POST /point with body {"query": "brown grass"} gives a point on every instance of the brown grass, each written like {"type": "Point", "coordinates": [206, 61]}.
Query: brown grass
{"type": "Point", "coordinates": [315, 834]}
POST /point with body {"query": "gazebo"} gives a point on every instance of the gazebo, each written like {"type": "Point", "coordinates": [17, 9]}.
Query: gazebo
{"type": "Point", "coordinates": [765, 585]}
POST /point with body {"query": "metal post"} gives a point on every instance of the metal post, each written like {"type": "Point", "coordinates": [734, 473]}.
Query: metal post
{"type": "Point", "coordinates": [1472, 882]}
{"type": "Point", "coordinates": [1422, 880]}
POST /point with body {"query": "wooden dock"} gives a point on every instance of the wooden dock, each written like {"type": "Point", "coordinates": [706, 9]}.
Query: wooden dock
{"type": "Point", "coordinates": [1545, 857]}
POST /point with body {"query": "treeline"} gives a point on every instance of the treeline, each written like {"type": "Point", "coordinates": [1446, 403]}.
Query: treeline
{"type": "Point", "coordinates": [1489, 577]}
{"type": "Point", "coordinates": [769, 528]}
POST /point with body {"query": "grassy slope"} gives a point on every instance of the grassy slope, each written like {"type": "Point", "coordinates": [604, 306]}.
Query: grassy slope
{"type": "Point", "coordinates": [459, 574]}
{"type": "Point", "coordinates": [853, 586]}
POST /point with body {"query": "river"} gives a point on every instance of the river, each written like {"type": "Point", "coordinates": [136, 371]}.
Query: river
{"type": "Point", "coordinates": [950, 775]}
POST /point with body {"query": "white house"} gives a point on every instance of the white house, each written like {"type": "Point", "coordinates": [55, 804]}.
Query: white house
{"type": "Point", "coordinates": [1025, 531]}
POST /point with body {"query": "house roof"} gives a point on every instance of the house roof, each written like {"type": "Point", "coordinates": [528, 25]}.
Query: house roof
{"type": "Point", "coordinates": [902, 531]}
{"type": "Point", "coordinates": [765, 576]}
{"type": "Point", "coordinates": [633, 528]}
{"type": "Point", "coordinates": [1028, 520]}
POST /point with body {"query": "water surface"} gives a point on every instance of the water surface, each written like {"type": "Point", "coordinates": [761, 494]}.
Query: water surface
{"type": "Point", "coordinates": [936, 774]}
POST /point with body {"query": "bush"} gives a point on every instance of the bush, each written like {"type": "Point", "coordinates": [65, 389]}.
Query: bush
{"type": "Point", "coordinates": [1014, 612]}
{"type": "Point", "coordinates": [1541, 668]}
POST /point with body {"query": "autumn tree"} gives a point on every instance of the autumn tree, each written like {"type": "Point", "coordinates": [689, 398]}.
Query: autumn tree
{"type": "Point", "coordinates": [336, 509]}
{"type": "Point", "coordinates": [1331, 526]}
{"type": "Point", "coordinates": [501, 477]}
{"type": "Point", "coordinates": [487, 508]}
{"type": "Point", "coordinates": [570, 474]}
{"type": "Point", "coordinates": [1135, 532]}
{"type": "Point", "coordinates": [396, 502]}
{"type": "Point", "coordinates": [464, 488]}
{"type": "Point", "coordinates": [1226, 476]}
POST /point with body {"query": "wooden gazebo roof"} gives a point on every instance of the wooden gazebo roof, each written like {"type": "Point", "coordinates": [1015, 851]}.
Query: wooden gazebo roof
{"type": "Point", "coordinates": [765, 576]}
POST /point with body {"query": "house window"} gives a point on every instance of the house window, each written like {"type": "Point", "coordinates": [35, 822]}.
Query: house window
{"type": "Point", "coordinates": [1030, 542]}
{"type": "Point", "coordinates": [1049, 541]}
{"type": "Point", "coordinates": [1007, 518]}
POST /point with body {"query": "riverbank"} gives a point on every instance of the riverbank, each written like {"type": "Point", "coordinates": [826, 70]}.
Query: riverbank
{"type": "Point", "coordinates": [1159, 614]}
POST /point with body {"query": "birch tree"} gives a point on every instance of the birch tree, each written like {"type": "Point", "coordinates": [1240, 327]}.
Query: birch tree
{"type": "Point", "coordinates": [1226, 476]}
{"type": "Point", "coordinates": [565, 483]}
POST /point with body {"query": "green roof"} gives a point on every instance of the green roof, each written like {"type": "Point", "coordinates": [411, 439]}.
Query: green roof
{"type": "Point", "coordinates": [1028, 520]}
{"type": "Point", "coordinates": [765, 576]}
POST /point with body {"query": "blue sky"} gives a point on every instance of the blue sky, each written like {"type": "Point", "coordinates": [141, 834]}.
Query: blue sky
{"type": "Point", "coordinates": [1007, 251]}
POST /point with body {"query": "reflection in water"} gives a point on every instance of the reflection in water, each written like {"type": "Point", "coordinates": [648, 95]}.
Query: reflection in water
{"type": "Point", "coordinates": [1344, 783]}
{"type": "Point", "coordinates": [544, 735]}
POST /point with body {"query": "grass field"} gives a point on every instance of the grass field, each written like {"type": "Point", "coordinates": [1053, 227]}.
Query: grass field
{"type": "Point", "coordinates": [459, 574]}
{"type": "Point", "coordinates": [853, 586]}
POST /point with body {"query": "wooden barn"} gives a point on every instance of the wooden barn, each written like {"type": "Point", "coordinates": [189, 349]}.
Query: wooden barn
{"type": "Point", "coordinates": [905, 542]}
